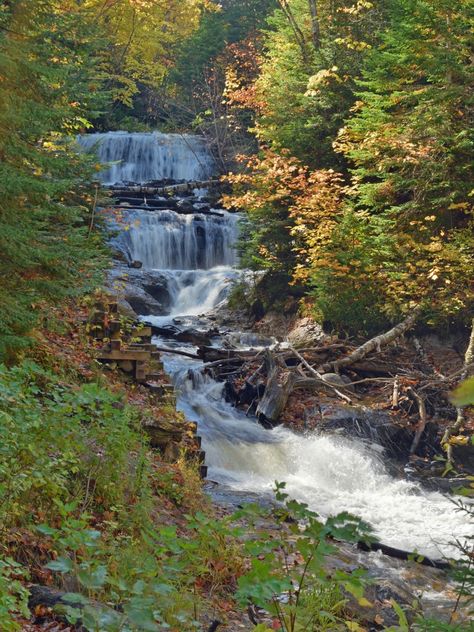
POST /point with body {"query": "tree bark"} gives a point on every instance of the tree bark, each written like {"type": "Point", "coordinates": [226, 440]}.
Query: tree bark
{"type": "Point", "coordinates": [315, 28]}
{"type": "Point", "coordinates": [375, 344]}
{"type": "Point", "coordinates": [277, 391]}
{"type": "Point", "coordinates": [299, 36]}
{"type": "Point", "coordinates": [320, 377]}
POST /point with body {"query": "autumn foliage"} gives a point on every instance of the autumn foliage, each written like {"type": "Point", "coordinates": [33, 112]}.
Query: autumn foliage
{"type": "Point", "coordinates": [361, 191]}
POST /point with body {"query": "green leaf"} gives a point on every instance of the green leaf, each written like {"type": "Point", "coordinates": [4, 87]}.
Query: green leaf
{"type": "Point", "coordinates": [62, 565]}
{"type": "Point", "coordinates": [464, 394]}
{"type": "Point", "coordinates": [93, 579]}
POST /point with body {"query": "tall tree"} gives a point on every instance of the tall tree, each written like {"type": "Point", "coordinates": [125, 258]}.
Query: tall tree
{"type": "Point", "coordinates": [412, 146]}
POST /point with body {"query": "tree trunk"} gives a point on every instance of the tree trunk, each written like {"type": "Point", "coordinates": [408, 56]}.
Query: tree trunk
{"type": "Point", "coordinates": [279, 387]}
{"type": "Point", "coordinates": [299, 36]}
{"type": "Point", "coordinates": [315, 28]}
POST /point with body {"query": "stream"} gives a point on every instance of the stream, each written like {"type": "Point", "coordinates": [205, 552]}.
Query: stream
{"type": "Point", "coordinates": [195, 258]}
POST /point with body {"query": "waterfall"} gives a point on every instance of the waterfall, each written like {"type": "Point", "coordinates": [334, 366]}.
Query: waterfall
{"type": "Point", "coordinates": [195, 254]}
{"type": "Point", "coordinates": [166, 240]}
{"type": "Point", "coordinates": [144, 157]}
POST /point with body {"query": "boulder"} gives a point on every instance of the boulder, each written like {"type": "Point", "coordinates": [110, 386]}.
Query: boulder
{"type": "Point", "coordinates": [306, 333]}
{"type": "Point", "coordinates": [126, 310]}
{"type": "Point", "coordinates": [141, 302]}
{"type": "Point", "coordinates": [339, 381]}
{"type": "Point", "coordinates": [379, 612]}
{"type": "Point", "coordinates": [135, 264]}
{"type": "Point", "coordinates": [145, 292]}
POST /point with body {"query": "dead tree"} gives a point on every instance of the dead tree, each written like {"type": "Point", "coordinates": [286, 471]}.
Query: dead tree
{"type": "Point", "coordinates": [374, 344]}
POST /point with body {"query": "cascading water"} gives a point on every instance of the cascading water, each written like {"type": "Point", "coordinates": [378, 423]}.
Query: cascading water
{"type": "Point", "coordinates": [196, 255]}
{"type": "Point", "coordinates": [168, 240]}
{"type": "Point", "coordinates": [329, 473]}
{"type": "Point", "coordinates": [148, 156]}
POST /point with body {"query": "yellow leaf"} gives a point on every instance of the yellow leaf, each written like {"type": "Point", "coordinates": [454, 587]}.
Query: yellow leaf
{"type": "Point", "coordinates": [365, 603]}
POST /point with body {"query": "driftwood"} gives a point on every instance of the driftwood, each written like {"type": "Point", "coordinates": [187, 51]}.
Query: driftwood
{"type": "Point", "coordinates": [279, 387]}
{"type": "Point", "coordinates": [375, 344]}
{"type": "Point", "coordinates": [176, 209]}
{"type": "Point", "coordinates": [400, 554]}
{"type": "Point", "coordinates": [280, 384]}
{"type": "Point", "coordinates": [212, 354]}
{"type": "Point", "coordinates": [186, 354]}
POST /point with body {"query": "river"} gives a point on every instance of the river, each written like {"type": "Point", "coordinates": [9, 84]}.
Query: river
{"type": "Point", "coordinates": [196, 254]}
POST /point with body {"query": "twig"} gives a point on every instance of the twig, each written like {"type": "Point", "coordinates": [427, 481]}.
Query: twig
{"type": "Point", "coordinates": [396, 391]}
{"type": "Point", "coordinates": [422, 423]}
{"type": "Point", "coordinates": [320, 377]}
{"type": "Point", "coordinates": [91, 225]}
{"type": "Point", "coordinates": [455, 428]}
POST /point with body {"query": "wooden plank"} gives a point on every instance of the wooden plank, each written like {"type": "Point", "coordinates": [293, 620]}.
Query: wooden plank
{"type": "Point", "coordinates": [123, 354]}
{"type": "Point", "coordinates": [141, 332]}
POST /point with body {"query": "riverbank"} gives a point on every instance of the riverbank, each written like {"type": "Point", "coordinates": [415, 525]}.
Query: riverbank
{"type": "Point", "coordinates": [68, 386]}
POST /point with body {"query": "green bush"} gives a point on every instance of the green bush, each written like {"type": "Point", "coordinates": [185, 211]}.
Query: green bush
{"type": "Point", "coordinates": [59, 444]}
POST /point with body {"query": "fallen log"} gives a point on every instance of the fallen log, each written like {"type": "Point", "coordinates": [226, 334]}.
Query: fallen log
{"type": "Point", "coordinates": [175, 209]}
{"type": "Point", "coordinates": [320, 377]}
{"type": "Point", "coordinates": [212, 354]}
{"type": "Point", "coordinates": [186, 354]}
{"type": "Point", "coordinates": [181, 187]}
{"type": "Point", "coordinates": [374, 344]}
{"type": "Point", "coordinates": [277, 391]}
{"type": "Point", "coordinates": [400, 554]}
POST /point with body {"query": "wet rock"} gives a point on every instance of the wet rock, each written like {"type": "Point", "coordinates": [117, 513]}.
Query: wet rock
{"type": "Point", "coordinates": [135, 264]}
{"type": "Point", "coordinates": [339, 381]}
{"type": "Point", "coordinates": [306, 333]}
{"type": "Point", "coordinates": [380, 613]}
{"type": "Point", "coordinates": [141, 302]}
{"type": "Point", "coordinates": [126, 310]}
{"type": "Point", "coordinates": [144, 291]}
{"type": "Point", "coordinates": [185, 205]}
{"type": "Point", "coordinates": [202, 207]}
{"type": "Point", "coordinates": [375, 426]}
{"type": "Point", "coordinates": [195, 336]}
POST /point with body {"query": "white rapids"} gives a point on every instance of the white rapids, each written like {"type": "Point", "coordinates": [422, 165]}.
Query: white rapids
{"type": "Point", "coordinates": [329, 473]}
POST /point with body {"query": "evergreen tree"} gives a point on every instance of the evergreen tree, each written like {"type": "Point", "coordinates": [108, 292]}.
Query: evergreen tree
{"type": "Point", "coordinates": [47, 66]}
{"type": "Point", "coordinates": [412, 146]}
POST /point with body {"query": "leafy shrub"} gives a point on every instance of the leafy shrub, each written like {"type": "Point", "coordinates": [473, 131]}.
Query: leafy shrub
{"type": "Point", "coordinates": [13, 595]}
{"type": "Point", "coordinates": [58, 444]}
